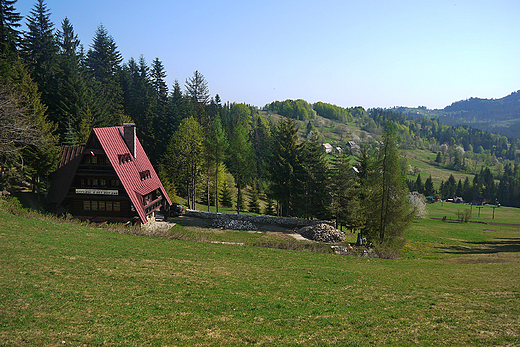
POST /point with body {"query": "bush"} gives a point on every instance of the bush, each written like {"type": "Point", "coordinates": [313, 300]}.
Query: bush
{"type": "Point", "coordinates": [463, 215]}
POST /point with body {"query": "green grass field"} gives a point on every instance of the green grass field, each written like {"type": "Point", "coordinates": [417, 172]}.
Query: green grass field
{"type": "Point", "coordinates": [423, 159]}
{"type": "Point", "coordinates": [62, 284]}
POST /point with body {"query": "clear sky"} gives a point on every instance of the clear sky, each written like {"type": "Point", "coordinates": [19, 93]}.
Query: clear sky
{"type": "Point", "coordinates": [371, 53]}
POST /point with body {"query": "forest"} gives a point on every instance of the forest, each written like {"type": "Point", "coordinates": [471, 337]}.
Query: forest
{"type": "Point", "coordinates": [261, 160]}
{"type": "Point", "coordinates": [501, 116]}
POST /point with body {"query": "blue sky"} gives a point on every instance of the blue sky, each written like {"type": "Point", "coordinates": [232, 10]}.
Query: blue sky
{"type": "Point", "coordinates": [371, 53]}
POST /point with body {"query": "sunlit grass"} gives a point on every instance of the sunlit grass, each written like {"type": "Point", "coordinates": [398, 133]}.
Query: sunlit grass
{"type": "Point", "coordinates": [64, 284]}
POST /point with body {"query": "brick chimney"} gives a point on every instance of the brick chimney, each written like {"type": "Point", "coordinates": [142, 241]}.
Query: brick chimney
{"type": "Point", "coordinates": [130, 137]}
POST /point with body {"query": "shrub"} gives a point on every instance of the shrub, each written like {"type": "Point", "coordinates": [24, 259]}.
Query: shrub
{"type": "Point", "coordinates": [463, 215]}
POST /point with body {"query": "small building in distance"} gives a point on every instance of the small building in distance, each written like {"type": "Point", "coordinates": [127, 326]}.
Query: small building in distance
{"type": "Point", "coordinates": [327, 148]}
{"type": "Point", "coordinates": [110, 179]}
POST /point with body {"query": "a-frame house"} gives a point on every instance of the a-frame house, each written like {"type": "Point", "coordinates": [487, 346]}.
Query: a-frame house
{"type": "Point", "coordinates": [109, 179]}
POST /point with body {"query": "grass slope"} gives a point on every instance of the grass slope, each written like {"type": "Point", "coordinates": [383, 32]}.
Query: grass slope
{"type": "Point", "coordinates": [76, 285]}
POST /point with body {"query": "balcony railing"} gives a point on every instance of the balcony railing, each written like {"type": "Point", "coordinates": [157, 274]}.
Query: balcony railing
{"type": "Point", "coordinates": [154, 205]}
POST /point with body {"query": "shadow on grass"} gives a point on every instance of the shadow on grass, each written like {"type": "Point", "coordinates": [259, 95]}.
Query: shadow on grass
{"type": "Point", "coordinates": [486, 247]}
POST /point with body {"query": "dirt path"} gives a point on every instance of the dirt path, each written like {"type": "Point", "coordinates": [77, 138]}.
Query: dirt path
{"type": "Point", "coordinates": [478, 222]}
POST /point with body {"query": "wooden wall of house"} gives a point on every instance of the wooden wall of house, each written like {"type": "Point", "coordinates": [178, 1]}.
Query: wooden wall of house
{"type": "Point", "coordinates": [125, 210]}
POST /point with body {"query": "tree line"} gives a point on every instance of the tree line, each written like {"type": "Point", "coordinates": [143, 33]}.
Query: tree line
{"type": "Point", "coordinates": [203, 148]}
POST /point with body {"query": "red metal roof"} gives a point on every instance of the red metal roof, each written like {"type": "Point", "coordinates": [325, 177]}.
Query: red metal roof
{"type": "Point", "coordinates": [114, 145]}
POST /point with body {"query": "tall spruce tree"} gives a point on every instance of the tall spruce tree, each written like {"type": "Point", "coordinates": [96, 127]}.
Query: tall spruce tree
{"type": "Point", "coordinates": [346, 193]}
{"type": "Point", "coordinates": [429, 190]}
{"type": "Point", "coordinates": [283, 162]}
{"type": "Point", "coordinates": [103, 64]}
{"type": "Point", "coordinates": [71, 92]}
{"type": "Point", "coordinates": [312, 176]}
{"type": "Point", "coordinates": [9, 34]}
{"type": "Point", "coordinates": [39, 51]}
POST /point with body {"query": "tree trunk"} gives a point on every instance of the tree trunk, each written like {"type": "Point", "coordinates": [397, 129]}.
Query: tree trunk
{"type": "Point", "coordinates": [209, 201]}
{"type": "Point", "coordinates": [216, 187]}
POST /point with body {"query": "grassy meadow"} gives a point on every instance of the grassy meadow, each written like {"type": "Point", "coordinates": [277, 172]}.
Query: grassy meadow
{"type": "Point", "coordinates": [457, 284]}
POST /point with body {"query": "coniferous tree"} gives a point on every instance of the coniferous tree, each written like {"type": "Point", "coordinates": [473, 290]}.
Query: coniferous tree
{"type": "Point", "coordinates": [177, 108]}
{"type": "Point", "coordinates": [261, 144]}
{"type": "Point", "coordinates": [459, 191]}
{"type": "Point", "coordinates": [39, 51]}
{"type": "Point", "coordinates": [450, 187]}
{"type": "Point", "coordinates": [197, 88]}
{"type": "Point", "coordinates": [269, 208]}
{"type": "Point", "coordinates": [282, 164]}
{"type": "Point", "coordinates": [71, 91]}
{"type": "Point", "coordinates": [218, 146]}
{"type": "Point", "coordinates": [9, 34]}
{"type": "Point", "coordinates": [312, 175]}
{"type": "Point", "coordinates": [241, 162]}
{"type": "Point", "coordinates": [346, 193]}
{"type": "Point", "coordinates": [254, 204]}
{"type": "Point", "coordinates": [467, 191]}
{"type": "Point", "coordinates": [103, 64]}
{"type": "Point", "coordinates": [162, 127]}
{"type": "Point", "coordinates": [429, 190]}
{"type": "Point", "coordinates": [387, 198]}
{"type": "Point", "coordinates": [157, 79]}
{"type": "Point", "coordinates": [225, 195]}
{"type": "Point", "coordinates": [419, 187]}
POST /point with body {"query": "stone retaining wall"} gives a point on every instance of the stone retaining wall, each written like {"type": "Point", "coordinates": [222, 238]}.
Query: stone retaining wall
{"type": "Point", "coordinates": [281, 221]}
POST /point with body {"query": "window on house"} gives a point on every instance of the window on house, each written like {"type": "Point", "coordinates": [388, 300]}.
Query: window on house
{"type": "Point", "coordinates": [94, 182]}
{"type": "Point", "coordinates": [117, 206]}
{"type": "Point", "coordinates": [102, 206]}
{"type": "Point", "coordinates": [94, 205]}
{"type": "Point", "coordinates": [109, 205]}
{"type": "Point", "coordinates": [86, 205]}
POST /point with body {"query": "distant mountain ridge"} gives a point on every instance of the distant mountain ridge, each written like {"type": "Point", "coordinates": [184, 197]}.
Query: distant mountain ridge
{"type": "Point", "coordinates": [501, 116]}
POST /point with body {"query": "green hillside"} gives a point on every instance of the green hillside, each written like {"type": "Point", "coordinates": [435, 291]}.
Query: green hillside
{"type": "Point", "coordinates": [65, 284]}
{"type": "Point", "coordinates": [500, 116]}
